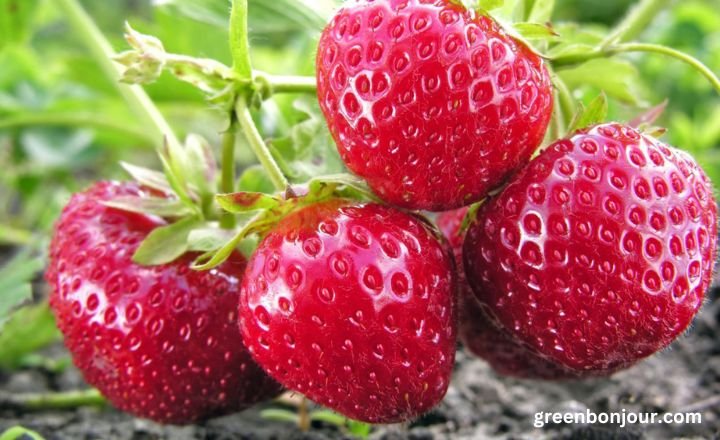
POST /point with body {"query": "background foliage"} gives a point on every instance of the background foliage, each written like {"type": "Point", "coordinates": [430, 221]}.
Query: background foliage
{"type": "Point", "coordinates": [63, 124]}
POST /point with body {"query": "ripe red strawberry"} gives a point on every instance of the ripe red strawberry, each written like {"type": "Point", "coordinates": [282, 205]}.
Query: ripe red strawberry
{"type": "Point", "coordinates": [159, 342]}
{"type": "Point", "coordinates": [476, 329]}
{"type": "Point", "coordinates": [353, 306]}
{"type": "Point", "coordinates": [599, 253]}
{"type": "Point", "coordinates": [431, 104]}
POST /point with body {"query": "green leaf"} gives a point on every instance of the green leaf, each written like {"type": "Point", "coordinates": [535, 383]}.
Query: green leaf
{"type": "Point", "coordinates": [329, 417]}
{"type": "Point", "coordinates": [53, 147]}
{"type": "Point", "coordinates": [595, 113]}
{"type": "Point", "coordinates": [208, 239]}
{"type": "Point", "coordinates": [280, 415]}
{"type": "Point", "coordinates": [15, 20]}
{"type": "Point", "coordinates": [201, 164]}
{"type": "Point", "coordinates": [13, 297]}
{"type": "Point", "coordinates": [147, 177]}
{"type": "Point", "coordinates": [19, 432]}
{"type": "Point", "coordinates": [28, 330]}
{"type": "Point", "coordinates": [308, 150]}
{"type": "Point", "coordinates": [339, 185]}
{"type": "Point", "coordinates": [242, 202]}
{"type": "Point", "coordinates": [470, 216]}
{"type": "Point", "coordinates": [215, 258]}
{"type": "Point", "coordinates": [535, 31]}
{"type": "Point", "coordinates": [619, 79]}
{"type": "Point", "coordinates": [269, 20]}
{"type": "Point", "coordinates": [539, 11]}
{"type": "Point", "coordinates": [165, 244]}
{"type": "Point", "coordinates": [176, 178]}
{"type": "Point", "coordinates": [649, 116]}
{"type": "Point", "coordinates": [255, 179]}
{"type": "Point", "coordinates": [570, 50]}
{"type": "Point", "coordinates": [489, 5]}
{"type": "Point", "coordinates": [360, 429]}
{"type": "Point", "coordinates": [15, 288]}
{"type": "Point", "coordinates": [159, 206]}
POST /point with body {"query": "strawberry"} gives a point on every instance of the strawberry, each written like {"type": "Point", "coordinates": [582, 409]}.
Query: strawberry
{"type": "Point", "coordinates": [430, 103]}
{"type": "Point", "coordinates": [476, 329]}
{"type": "Point", "coordinates": [599, 253]}
{"type": "Point", "coordinates": [159, 342]}
{"type": "Point", "coordinates": [353, 306]}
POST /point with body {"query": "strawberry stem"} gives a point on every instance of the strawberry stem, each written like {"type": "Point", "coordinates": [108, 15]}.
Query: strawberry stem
{"type": "Point", "coordinates": [239, 43]}
{"type": "Point", "coordinates": [46, 401]}
{"type": "Point", "coordinates": [292, 84]}
{"type": "Point", "coordinates": [668, 51]}
{"type": "Point", "coordinates": [303, 415]}
{"type": "Point", "coordinates": [103, 53]}
{"type": "Point", "coordinates": [608, 51]}
{"type": "Point", "coordinates": [259, 147]}
{"type": "Point", "coordinates": [566, 102]}
{"type": "Point", "coordinates": [227, 179]}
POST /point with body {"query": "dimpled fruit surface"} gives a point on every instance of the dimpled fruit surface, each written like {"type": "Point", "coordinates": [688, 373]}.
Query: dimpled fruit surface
{"type": "Point", "coordinates": [478, 331]}
{"type": "Point", "coordinates": [599, 253]}
{"type": "Point", "coordinates": [433, 105]}
{"type": "Point", "coordinates": [159, 342]}
{"type": "Point", "coordinates": [353, 306]}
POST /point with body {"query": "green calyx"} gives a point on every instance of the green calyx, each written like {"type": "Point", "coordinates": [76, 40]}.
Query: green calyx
{"type": "Point", "coordinates": [260, 212]}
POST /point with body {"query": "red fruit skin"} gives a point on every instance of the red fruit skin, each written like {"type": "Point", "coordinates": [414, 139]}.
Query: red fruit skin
{"type": "Point", "coordinates": [476, 329]}
{"type": "Point", "coordinates": [353, 306]}
{"type": "Point", "coordinates": [430, 104]}
{"type": "Point", "coordinates": [599, 253]}
{"type": "Point", "coordinates": [159, 342]}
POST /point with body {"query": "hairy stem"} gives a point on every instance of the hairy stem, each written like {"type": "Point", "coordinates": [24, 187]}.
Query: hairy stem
{"type": "Point", "coordinates": [292, 84]}
{"type": "Point", "coordinates": [239, 44]}
{"type": "Point", "coordinates": [227, 180]}
{"type": "Point", "coordinates": [101, 50]}
{"type": "Point", "coordinates": [261, 150]}
{"type": "Point", "coordinates": [637, 19]}
{"type": "Point", "coordinates": [46, 401]}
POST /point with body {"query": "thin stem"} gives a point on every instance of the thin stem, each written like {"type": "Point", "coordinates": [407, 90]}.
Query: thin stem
{"type": "Point", "coordinates": [46, 401]}
{"type": "Point", "coordinates": [642, 47]}
{"type": "Point", "coordinates": [227, 182]}
{"type": "Point", "coordinates": [239, 44]}
{"type": "Point", "coordinates": [664, 50]}
{"type": "Point", "coordinates": [556, 122]}
{"type": "Point", "coordinates": [637, 19]}
{"type": "Point", "coordinates": [76, 120]}
{"type": "Point", "coordinates": [303, 416]}
{"type": "Point", "coordinates": [102, 51]}
{"type": "Point", "coordinates": [292, 84]}
{"type": "Point", "coordinates": [566, 101]}
{"type": "Point", "coordinates": [257, 144]}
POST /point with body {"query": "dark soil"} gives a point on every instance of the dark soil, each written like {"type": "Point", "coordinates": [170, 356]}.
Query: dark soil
{"type": "Point", "coordinates": [479, 404]}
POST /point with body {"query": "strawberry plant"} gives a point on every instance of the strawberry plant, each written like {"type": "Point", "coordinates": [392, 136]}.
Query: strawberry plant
{"type": "Point", "coordinates": [288, 239]}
